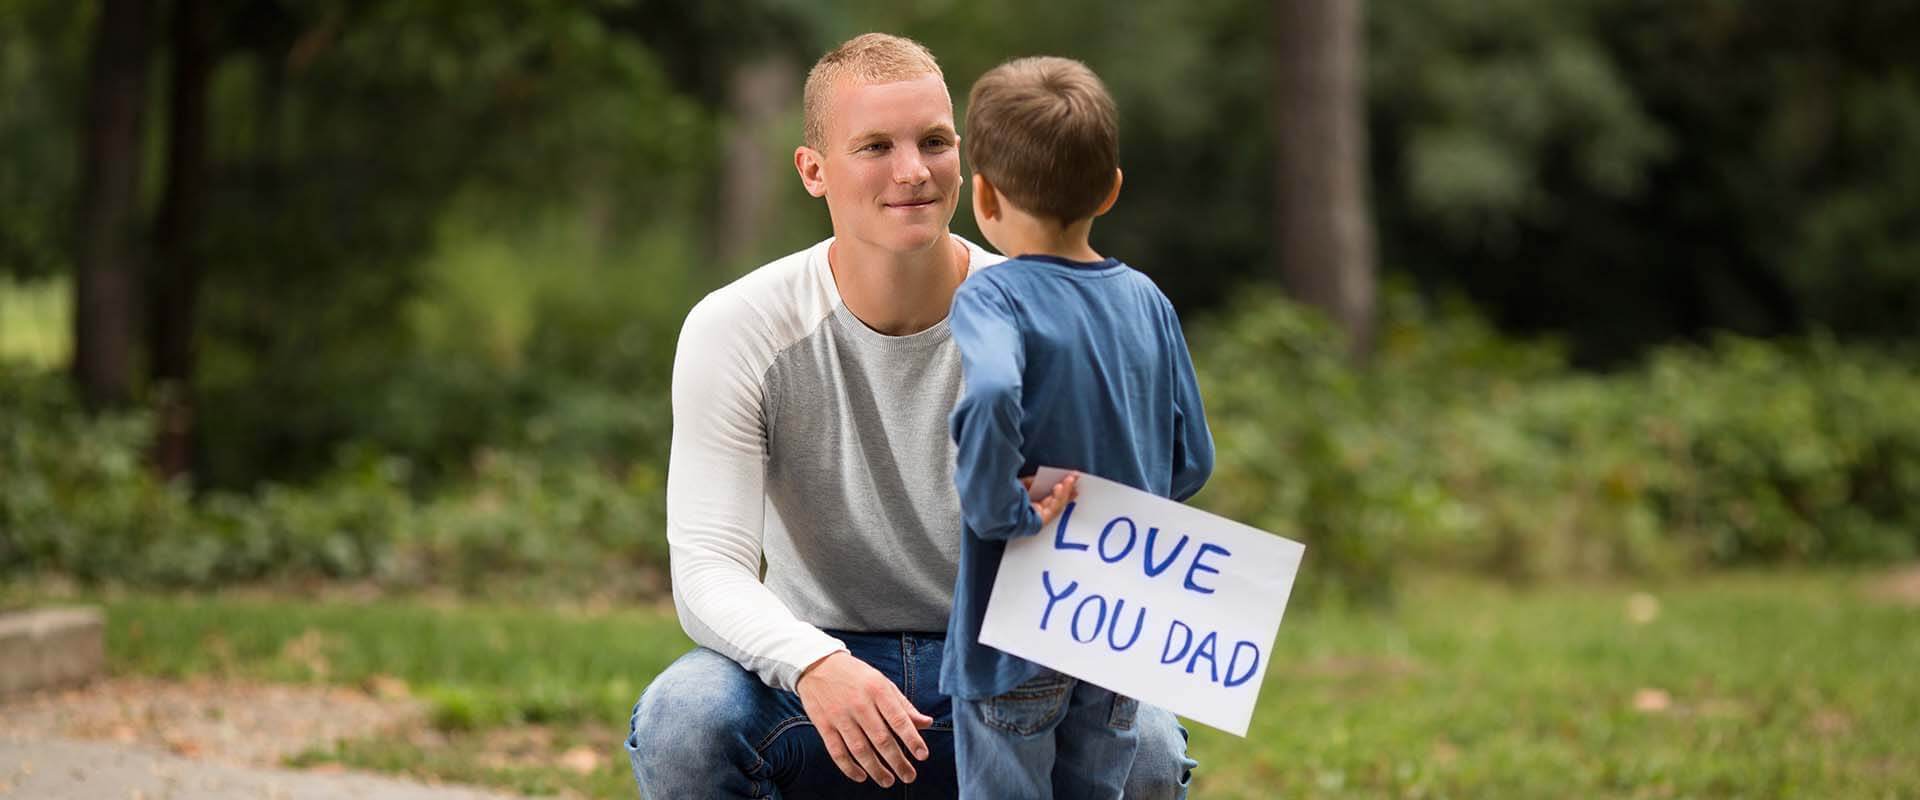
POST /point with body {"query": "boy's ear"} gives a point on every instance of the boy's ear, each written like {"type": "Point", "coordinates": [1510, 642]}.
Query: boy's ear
{"type": "Point", "coordinates": [1114, 195]}
{"type": "Point", "coordinates": [813, 174]}
{"type": "Point", "coordinates": [986, 199]}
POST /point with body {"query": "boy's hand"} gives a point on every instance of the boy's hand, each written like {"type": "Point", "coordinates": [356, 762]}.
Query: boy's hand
{"type": "Point", "coordinates": [863, 719]}
{"type": "Point", "coordinates": [1049, 507]}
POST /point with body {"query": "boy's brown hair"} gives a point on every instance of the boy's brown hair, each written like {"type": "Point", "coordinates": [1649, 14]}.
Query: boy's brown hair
{"type": "Point", "coordinates": [868, 58]}
{"type": "Point", "coordinates": [1044, 132]}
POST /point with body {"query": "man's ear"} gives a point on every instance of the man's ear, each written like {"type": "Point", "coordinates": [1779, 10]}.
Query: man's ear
{"type": "Point", "coordinates": [1112, 196]}
{"type": "Point", "coordinates": [986, 199]}
{"type": "Point", "coordinates": [813, 175]}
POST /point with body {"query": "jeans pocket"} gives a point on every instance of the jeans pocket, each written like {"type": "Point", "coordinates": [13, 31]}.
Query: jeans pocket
{"type": "Point", "coordinates": [1124, 709]}
{"type": "Point", "coordinates": [1031, 707]}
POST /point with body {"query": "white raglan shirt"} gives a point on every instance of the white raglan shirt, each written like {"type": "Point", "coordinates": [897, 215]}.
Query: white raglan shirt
{"type": "Point", "coordinates": [801, 434]}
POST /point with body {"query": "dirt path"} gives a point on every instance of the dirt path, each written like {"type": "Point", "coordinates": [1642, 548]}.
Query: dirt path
{"type": "Point", "coordinates": [147, 740]}
{"type": "Point", "coordinates": [67, 769]}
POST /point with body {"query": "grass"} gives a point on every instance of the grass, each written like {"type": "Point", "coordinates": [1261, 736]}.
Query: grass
{"type": "Point", "coordinates": [1753, 685]}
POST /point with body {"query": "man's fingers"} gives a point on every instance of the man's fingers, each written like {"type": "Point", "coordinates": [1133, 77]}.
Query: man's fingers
{"type": "Point", "coordinates": [906, 724]}
{"type": "Point", "coordinates": [861, 748]}
{"type": "Point", "coordinates": [837, 750]}
{"type": "Point", "coordinates": [881, 733]}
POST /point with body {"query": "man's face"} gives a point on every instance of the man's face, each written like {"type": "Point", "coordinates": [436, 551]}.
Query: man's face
{"type": "Point", "coordinates": [889, 165]}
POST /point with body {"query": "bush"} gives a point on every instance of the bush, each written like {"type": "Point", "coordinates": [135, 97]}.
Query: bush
{"type": "Point", "coordinates": [1452, 446]}
{"type": "Point", "coordinates": [1455, 446]}
{"type": "Point", "coordinates": [80, 501]}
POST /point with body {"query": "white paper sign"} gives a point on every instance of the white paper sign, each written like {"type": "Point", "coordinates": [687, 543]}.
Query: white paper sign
{"type": "Point", "coordinates": [1163, 603]}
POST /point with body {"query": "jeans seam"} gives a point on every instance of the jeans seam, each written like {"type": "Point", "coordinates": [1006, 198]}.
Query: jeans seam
{"type": "Point", "coordinates": [1120, 715]}
{"type": "Point", "coordinates": [760, 750]}
{"type": "Point", "coordinates": [906, 665]}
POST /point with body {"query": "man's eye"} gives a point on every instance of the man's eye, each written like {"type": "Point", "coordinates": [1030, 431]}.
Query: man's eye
{"type": "Point", "coordinates": [937, 143]}
{"type": "Point", "coordinates": [874, 147]}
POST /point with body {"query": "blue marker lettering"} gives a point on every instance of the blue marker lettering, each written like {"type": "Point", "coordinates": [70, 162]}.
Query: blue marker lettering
{"type": "Point", "coordinates": [1253, 665]}
{"type": "Point", "coordinates": [1207, 649]}
{"type": "Point", "coordinates": [1060, 533]}
{"type": "Point", "coordinates": [1046, 582]}
{"type": "Point", "coordinates": [1098, 621]}
{"type": "Point", "coordinates": [1167, 656]}
{"type": "Point", "coordinates": [1153, 570]}
{"type": "Point", "coordinates": [1139, 621]}
{"type": "Point", "coordinates": [1196, 566]}
{"type": "Point", "coordinates": [1132, 534]}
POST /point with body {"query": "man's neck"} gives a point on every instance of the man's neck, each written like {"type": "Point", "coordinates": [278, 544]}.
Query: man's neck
{"type": "Point", "coordinates": [898, 294]}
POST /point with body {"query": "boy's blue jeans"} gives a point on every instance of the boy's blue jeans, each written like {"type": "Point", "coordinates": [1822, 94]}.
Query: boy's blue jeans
{"type": "Point", "coordinates": [1054, 737]}
{"type": "Point", "coordinates": [706, 727]}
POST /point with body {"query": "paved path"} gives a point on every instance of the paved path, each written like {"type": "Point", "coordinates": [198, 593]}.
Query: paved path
{"type": "Point", "coordinates": [68, 769]}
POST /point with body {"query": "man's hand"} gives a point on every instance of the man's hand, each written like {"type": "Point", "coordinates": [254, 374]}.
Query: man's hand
{"type": "Point", "coordinates": [863, 718]}
{"type": "Point", "coordinates": [1049, 507]}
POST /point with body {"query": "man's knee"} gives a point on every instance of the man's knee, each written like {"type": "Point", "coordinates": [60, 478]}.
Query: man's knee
{"type": "Point", "coordinates": [689, 717]}
{"type": "Point", "coordinates": [1161, 766]}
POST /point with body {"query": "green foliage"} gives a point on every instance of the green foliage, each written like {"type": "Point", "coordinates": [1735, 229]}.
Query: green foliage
{"type": "Point", "coordinates": [1453, 445]}
{"type": "Point", "coordinates": [80, 501]}
{"type": "Point", "coordinates": [1456, 446]}
{"type": "Point", "coordinates": [41, 47]}
{"type": "Point", "coordinates": [36, 325]}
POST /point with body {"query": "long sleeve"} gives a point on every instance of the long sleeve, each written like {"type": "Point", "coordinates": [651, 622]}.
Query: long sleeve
{"type": "Point", "coordinates": [986, 422]}
{"type": "Point", "coordinates": [1192, 440]}
{"type": "Point", "coordinates": [716, 501]}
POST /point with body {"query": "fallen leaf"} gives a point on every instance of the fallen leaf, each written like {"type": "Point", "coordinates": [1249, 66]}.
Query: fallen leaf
{"type": "Point", "coordinates": [1652, 701]}
{"type": "Point", "coordinates": [581, 759]}
{"type": "Point", "coordinates": [1642, 608]}
{"type": "Point", "coordinates": [387, 687]}
{"type": "Point", "coordinates": [1830, 722]}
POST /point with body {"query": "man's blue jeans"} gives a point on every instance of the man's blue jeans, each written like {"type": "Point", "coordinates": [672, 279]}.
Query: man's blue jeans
{"type": "Point", "coordinates": [706, 727]}
{"type": "Point", "coordinates": [1054, 736]}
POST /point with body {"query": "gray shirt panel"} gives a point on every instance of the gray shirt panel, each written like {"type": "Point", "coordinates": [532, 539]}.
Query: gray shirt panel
{"type": "Point", "coordinates": [864, 533]}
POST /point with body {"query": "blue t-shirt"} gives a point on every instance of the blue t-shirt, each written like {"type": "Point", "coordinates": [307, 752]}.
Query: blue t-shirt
{"type": "Point", "coordinates": [1067, 364]}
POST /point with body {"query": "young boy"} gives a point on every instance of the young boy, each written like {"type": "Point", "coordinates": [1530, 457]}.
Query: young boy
{"type": "Point", "coordinates": [1070, 359]}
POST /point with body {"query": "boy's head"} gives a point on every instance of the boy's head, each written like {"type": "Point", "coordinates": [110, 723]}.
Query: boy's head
{"type": "Point", "coordinates": [880, 144]}
{"type": "Point", "coordinates": [1044, 132]}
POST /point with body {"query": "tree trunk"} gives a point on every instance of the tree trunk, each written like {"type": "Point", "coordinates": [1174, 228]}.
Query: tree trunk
{"type": "Point", "coordinates": [758, 92]}
{"type": "Point", "coordinates": [105, 264]}
{"type": "Point", "coordinates": [176, 277]}
{"type": "Point", "coordinates": [1323, 227]}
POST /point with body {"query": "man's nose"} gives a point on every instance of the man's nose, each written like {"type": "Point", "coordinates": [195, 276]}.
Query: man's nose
{"type": "Point", "coordinates": [910, 168]}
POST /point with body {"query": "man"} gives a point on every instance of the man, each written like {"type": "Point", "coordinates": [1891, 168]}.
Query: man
{"type": "Point", "coordinates": [810, 425]}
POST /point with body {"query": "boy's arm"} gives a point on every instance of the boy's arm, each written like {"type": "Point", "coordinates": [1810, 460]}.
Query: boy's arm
{"type": "Point", "coordinates": [1192, 441]}
{"type": "Point", "coordinates": [986, 422]}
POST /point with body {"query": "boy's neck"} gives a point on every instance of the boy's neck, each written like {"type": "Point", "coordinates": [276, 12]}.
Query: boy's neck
{"type": "Point", "coordinates": [1026, 235]}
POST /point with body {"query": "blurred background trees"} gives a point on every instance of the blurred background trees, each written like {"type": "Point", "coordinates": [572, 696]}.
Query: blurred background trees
{"type": "Point", "coordinates": [380, 287]}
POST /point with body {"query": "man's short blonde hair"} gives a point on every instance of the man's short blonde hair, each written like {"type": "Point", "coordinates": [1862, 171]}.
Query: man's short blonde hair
{"type": "Point", "coordinates": [867, 58]}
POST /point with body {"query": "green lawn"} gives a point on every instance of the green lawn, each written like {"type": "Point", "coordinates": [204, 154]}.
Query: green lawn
{"type": "Point", "coordinates": [1734, 686]}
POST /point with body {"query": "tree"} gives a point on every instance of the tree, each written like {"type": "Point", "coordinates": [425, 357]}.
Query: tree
{"type": "Point", "coordinates": [1322, 227]}
{"type": "Point", "coordinates": [105, 275]}
{"type": "Point", "coordinates": [174, 289]}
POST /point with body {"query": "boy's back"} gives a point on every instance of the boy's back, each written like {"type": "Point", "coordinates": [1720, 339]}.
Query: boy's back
{"type": "Point", "coordinates": [1069, 364]}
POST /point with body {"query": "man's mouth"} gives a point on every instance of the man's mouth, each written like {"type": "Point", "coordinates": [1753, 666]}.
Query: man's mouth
{"type": "Point", "coordinates": [913, 204]}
